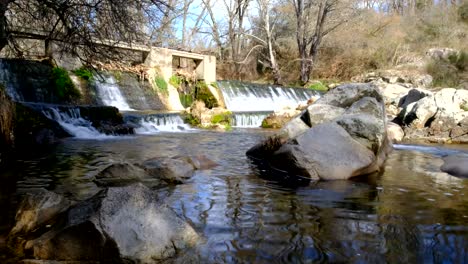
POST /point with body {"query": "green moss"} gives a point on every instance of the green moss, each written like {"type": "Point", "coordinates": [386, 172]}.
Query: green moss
{"type": "Point", "coordinates": [214, 84]}
{"type": "Point", "coordinates": [223, 118]}
{"type": "Point", "coordinates": [63, 89]}
{"type": "Point", "coordinates": [202, 93]}
{"type": "Point", "coordinates": [117, 76]}
{"type": "Point", "coordinates": [318, 86]}
{"type": "Point", "coordinates": [84, 73]}
{"type": "Point", "coordinates": [265, 124]}
{"type": "Point", "coordinates": [186, 100]}
{"type": "Point", "coordinates": [176, 80]}
{"type": "Point", "coordinates": [190, 119]}
{"type": "Point", "coordinates": [161, 85]}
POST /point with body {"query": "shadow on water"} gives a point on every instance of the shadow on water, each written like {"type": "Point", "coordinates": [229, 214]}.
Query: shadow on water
{"type": "Point", "coordinates": [410, 212]}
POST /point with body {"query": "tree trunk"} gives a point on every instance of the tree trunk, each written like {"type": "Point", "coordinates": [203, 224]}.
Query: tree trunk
{"type": "Point", "coordinates": [3, 23]}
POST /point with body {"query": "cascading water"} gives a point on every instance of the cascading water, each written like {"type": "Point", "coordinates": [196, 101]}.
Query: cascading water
{"type": "Point", "coordinates": [8, 80]}
{"type": "Point", "coordinates": [251, 103]}
{"type": "Point", "coordinates": [247, 97]}
{"type": "Point", "coordinates": [147, 124]}
{"type": "Point", "coordinates": [248, 119]}
{"type": "Point", "coordinates": [110, 94]}
{"type": "Point", "coordinates": [73, 123]}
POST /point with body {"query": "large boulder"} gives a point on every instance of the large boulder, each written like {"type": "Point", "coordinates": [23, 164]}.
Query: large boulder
{"type": "Point", "coordinates": [341, 135]}
{"type": "Point", "coordinates": [117, 225]}
{"type": "Point", "coordinates": [456, 165]}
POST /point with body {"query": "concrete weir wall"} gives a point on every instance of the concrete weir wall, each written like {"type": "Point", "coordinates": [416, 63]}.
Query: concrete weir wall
{"type": "Point", "coordinates": [162, 58]}
{"type": "Point", "coordinates": [159, 60]}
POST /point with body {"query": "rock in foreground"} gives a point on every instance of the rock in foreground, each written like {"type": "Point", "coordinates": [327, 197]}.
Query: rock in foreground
{"type": "Point", "coordinates": [117, 225]}
{"type": "Point", "coordinates": [349, 140]}
{"type": "Point", "coordinates": [456, 165]}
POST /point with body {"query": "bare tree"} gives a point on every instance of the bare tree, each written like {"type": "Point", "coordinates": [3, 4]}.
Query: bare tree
{"type": "Point", "coordinates": [313, 23]}
{"type": "Point", "coordinates": [268, 26]}
{"type": "Point", "coordinates": [80, 24]}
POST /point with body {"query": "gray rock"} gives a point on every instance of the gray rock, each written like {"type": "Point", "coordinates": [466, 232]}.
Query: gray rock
{"type": "Point", "coordinates": [456, 165]}
{"type": "Point", "coordinates": [38, 209]}
{"type": "Point", "coordinates": [120, 174]}
{"type": "Point", "coordinates": [413, 95]}
{"type": "Point", "coordinates": [326, 152]}
{"type": "Point", "coordinates": [341, 135]}
{"type": "Point", "coordinates": [319, 113]}
{"type": "Point", "coordinates": [395, 132]}
{"type": "Point", "coordinates": [172, 170]}
{"type": "Point", "coordinates": [366, 129]}
{"type": "Point", "coordinates": [347, 94]}
{"type": "Point", "coordinates": [121, 223]}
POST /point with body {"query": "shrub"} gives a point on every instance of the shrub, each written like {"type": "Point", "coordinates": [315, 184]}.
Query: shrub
{"type": "Point", "coordinates": [459, 60]}
{"type": "Point", "coordinates": [161, 84]}
{"type": "Point", "coordinates": [463, 12]}
{"type": "Point", "coordinates": [444, 74]}
{"type": "Point", "coordinates": [63, 89]}
{"type": "Point", "coordinates": [84, 73]}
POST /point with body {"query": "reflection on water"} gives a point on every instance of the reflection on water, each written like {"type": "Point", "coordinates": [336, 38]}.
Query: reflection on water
{"type": "Point", "coordinates": [409, 213]}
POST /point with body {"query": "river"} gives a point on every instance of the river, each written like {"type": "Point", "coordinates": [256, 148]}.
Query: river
{"type": "Point", "coordinates": [410, 212]}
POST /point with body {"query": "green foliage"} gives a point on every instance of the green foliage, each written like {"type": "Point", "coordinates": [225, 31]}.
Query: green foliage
{"type": "Point", "coordinates": [318, 86]}
{"type": "Point", "coordinates": [202, 93]}
{"type": "Point", "coordinates": [464, 107]}
{"type": "Point", "coordinates": [176, 80]}
{"type": "Point", "coordinates": [84, 73]}
{"type": "Point", "coordinates": [161, 85]}
{"type": "Point", "coordinates": [63, 89]}
{"type": "Point", "coordinates": [223, 118]}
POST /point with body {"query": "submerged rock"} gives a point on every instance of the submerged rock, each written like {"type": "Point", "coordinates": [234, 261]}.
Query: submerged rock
{"type": "Point", "coordinates": [348, 138]}
{"type": "Point", "coordinates": [170, 170]}
{"type": "Point", "coordinates": [117, 225]}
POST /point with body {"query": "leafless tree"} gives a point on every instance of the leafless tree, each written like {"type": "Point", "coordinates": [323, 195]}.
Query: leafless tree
{"type": "Point", "coordinates": [79, 24]}
{"type": "Point", "coordinates": [313, 23]}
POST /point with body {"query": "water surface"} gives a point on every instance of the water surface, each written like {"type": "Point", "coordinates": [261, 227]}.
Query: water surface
{"type": "Point", "coordinates": [410, 212]}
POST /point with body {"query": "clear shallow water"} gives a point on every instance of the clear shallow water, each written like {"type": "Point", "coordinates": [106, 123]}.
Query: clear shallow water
{"type": "Point", "coordinates": [409, 213]}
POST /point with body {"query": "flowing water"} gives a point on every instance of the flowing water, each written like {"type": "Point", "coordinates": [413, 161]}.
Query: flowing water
{"type": "Point", "coordinates": [248, 119]}
{"type": "Point", "coordinates": [409, 213]}
{"type": "Point", "coordinates": [248, 97]}
{"type": "Point", "coordinates": [110, 94]}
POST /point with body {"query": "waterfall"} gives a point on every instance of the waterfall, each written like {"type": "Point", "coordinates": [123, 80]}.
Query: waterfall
{"type": "Point", "coordinates": [9, 81]}
{"type": "Point", "coordinates": [248, 119]}
{"type": "Point", "coordinates": [110, 94]}
{"type": "Point", "coordinates": [247, 97]}
{"type": "Point", "coordinates": [73, 123]}
{"type": "Point", "coordinates": [147, 124]}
